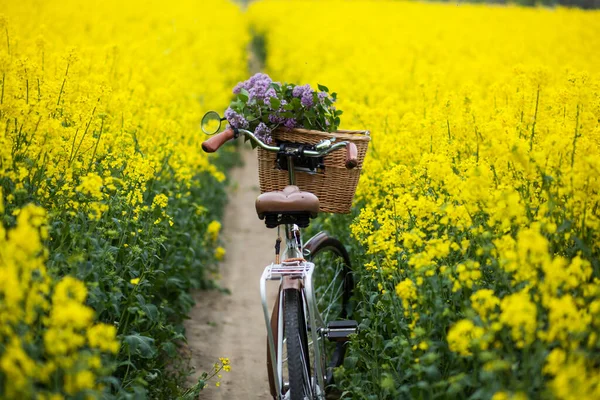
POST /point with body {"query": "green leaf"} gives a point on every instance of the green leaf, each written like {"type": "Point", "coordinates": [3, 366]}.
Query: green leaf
{"type": "Point", "coordinates": [151, 312]}
{"type": "Point", "coordinates": [296, 104]}
{"type": "Point", "coordinates": [140, 345]}
{"type": "Point", "coordinates": [350, 362]}
{"type": "Point", "coordinates": [275, 103]}
{"type": "Point", "coordinates": [170, 349]}
{"type": "Point", "coordinates": [338, 112]}
{"type": "Point", "coordinates": [237, 106]}
{"type": "Point", "coordinates": [323, 88]}
{"type": "Point", "coordinates": [244, 95]}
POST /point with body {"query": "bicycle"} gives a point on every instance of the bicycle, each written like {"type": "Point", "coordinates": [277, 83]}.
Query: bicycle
{"type": "Point", "coordinates": [307, 329]}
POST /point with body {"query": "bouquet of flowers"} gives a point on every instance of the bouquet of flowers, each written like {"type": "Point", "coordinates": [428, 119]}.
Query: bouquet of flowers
{"type": "Point", "coordinates": [262, 105]}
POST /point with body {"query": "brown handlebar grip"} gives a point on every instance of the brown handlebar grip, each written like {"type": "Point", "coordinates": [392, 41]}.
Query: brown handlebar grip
{"type": "Point", "coordinates": [211, 145]}
{"type": "Point", "coordinates": [351, 155]}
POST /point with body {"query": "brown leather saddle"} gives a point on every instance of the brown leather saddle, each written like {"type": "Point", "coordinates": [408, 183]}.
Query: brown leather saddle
{"type": "Point", "coordinates": [288, 206]}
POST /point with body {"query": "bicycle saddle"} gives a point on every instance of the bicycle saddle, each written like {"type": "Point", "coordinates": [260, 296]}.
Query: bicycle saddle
{"type": "Point", "coordinates": [288, 206]}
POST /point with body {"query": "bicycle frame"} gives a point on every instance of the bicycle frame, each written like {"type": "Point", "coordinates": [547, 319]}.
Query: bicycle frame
{"type": "Point", "coordinates": [295, 274]}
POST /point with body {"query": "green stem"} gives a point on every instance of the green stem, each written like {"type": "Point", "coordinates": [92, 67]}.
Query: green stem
{"type": "Point", "coordinates": [7, 40]}
{"type": "Point", "coordinates": [96, 147]}
{"type": "Point", "coordinates": [537, 102]}
{"type": "Point", "coordinates": [575, 136]}
{"type": "Point", "coordinates": [37, 125]}
{"type": "Point", "coordinates": [73, 144]}
{"type": "Point", "coordinates": [128, 365]}
{"type": "Point", "coordinates": [2, 94]}
{"type": "Point", "coordinates": [83, 136]}
{"type": "Point", "coordinates": [62, 87]}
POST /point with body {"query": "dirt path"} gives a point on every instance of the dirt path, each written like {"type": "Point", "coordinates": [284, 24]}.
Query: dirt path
{"type": "Point", "coordinates": [233, 325]}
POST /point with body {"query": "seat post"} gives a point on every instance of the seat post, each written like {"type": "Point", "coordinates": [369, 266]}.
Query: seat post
{"type": "Point", "coordinates": [291, 175]}
{"type": "Point", "coordinates": [293, 238]}
{"type": "Point", "coordinates": [291, 230]}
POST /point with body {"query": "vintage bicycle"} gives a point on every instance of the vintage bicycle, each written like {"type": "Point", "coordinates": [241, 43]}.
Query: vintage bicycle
{"type": "Point", "coordinates": [309, 324]}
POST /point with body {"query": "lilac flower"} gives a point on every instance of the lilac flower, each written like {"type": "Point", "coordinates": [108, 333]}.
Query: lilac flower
{"type": "Point", "coordinates": [299, 91]}
{"type": "Point", "coordinates": [276, 119]}
{"type": "Point", "coordinates": [263, 132]}
{"type": "Point", "coordinates": [236, 120]}
{"type": "Point", "coordinates": [258, 87]}
{"type": "Point", "coordinates": [241, 85]}
{"type": "Point", "coordinates": [259, 77]}
{"type": "Point", "coordinates": [262, 129]}
{"type": "Point", "coordinates": [271, 93]}
{"type": "Point", "coordinates": [290, 123]}
{"type": "Point", "coordinates": [307, 99]}
{"type": "Point", "coordinates": [261, 89]}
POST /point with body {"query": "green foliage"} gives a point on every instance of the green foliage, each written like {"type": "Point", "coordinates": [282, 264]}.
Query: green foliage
{"type": "Point", "coordinates": [139, 273]}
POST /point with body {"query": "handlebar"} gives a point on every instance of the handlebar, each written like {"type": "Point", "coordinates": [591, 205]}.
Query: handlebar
{"type": "Point", "coordinates": [211, 145]}
{"type": "Point", "coordinates": [214, 143]}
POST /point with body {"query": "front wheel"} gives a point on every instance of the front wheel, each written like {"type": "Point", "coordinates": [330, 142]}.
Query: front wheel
{"type": "Point", "coordinates": [333, 286]}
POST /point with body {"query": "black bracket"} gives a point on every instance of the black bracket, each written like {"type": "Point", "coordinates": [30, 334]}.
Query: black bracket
{"type": "Point", "coordinates": [301, 162]}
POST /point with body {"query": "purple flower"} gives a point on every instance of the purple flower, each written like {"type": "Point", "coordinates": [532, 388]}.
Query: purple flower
{"type": "Point", "coordinates": [307, 99]}
{"type": "Point", "coordinates": [258, 87]}
{"type": "Point", "coordinates": [276, 119]}
{"type": "Point", "coordinates": [322, 95]}
{"type": "Point", "coordinates": [299, 91]}
{"type": "Point", "coordinates": [262, 129]}
{"type": "Point", "coordinates": [238, 88]}
{"type": "Point", "coordinates": [290, 123]}
{"type": "Point", "coordinates": [263, 132]}
{"type": "Point", "coordinates": [236, 120]}
{"type": "Point", "coordinates": [259, 77]}
{"type": "Point", "coordinates": [270, 93]}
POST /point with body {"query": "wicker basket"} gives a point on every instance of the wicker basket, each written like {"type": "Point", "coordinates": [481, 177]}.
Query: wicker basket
{"type": "Point", "coordinates": [335, 186]}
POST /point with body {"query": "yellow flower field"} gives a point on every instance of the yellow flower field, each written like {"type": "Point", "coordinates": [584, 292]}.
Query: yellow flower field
{"type": "Point", "coordinates": [478, 208]}
{"type": "Point", "coordinates": [100, 170]}
{"type": "Point", "coordinates": [476, 223]}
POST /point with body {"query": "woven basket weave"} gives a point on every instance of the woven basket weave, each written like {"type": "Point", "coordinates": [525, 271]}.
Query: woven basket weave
{"type": "Point", "coordinates": [335, 186]}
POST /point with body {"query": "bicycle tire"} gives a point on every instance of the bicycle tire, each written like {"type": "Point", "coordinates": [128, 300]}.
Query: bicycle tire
{"type": "Point", "coordinates": [332, 266]}
{"type": "Point", "coordinates": [295, 335]}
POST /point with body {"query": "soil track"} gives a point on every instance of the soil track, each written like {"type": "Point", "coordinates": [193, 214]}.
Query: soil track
{"type": "Point", "coordinates": [233, 325]}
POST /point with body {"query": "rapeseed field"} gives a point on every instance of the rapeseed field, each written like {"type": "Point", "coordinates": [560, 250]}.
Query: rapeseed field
{"type": "Point", "coordinates": [100, 171]}
{"type": "Point", "coordinates": [474, 229]}
{"type": "Point", "coordinates": [477, 215]}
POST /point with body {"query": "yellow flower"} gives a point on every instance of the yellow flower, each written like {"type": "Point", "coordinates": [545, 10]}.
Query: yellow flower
{"type": "Point", "coordinates": [103, 337]}
{"type": "Point", "coordinates": [91, 185]}
{"type": "Point", "coordinates": [69, 289]}
{"type": "Point", "coordinates": [134, 281]}
{"type": "Point", "coordinates": [463, 335]}
{"type": "Point", "coordinates": [484, 303]}
{"type": "Point", "coordinates": [219, 253]}
{"type": "Point", "coordinates": [407, 291]}
{"type": "Point", "coordinates": [213, 230]}
{"type": "Point", "coordinates": [80, 381]}
{"type": "Point", "coordinates": [160, 201]}
{"type": "Point", "coordinates": [520, 315]}
{"type": "Point", "coordinates": [501, 396]}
